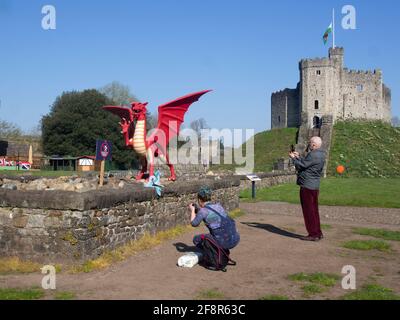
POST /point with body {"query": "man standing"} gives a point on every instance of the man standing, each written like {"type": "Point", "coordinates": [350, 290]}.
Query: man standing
{"type": "Point", "coordinates": [309, 171]}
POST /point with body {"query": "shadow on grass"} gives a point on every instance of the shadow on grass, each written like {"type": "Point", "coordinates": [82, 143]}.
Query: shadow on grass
{"type": "Point", "coordinates": [273, 229]}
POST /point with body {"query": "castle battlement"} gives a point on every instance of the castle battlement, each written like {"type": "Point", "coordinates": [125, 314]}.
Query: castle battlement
{"type": "Point", "coordinates": [284, 91]}
{"type": "Point", "coordinates": [315, 63]}
{"type": "Point", "coordinates": [358, 74]}
{"type": "Point", "coordinates": [360, 71]}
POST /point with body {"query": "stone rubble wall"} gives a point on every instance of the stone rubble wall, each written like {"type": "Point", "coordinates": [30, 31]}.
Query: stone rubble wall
{"type": "Point", "coordinates": [65, 226]}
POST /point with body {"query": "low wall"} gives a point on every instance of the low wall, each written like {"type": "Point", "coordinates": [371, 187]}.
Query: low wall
{"type": "Point", "coordinates": [63, 225]}
{"type": "Point", "coordinates": [269, 179]}
{"type": "Point", "coordinates": [60, 226]}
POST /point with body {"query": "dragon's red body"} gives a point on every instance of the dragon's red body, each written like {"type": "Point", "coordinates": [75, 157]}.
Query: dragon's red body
{"type": "Point", "coordinates": [133, 124]}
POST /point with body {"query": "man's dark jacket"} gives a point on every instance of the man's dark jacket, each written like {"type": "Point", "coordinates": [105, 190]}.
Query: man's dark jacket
{"type": "Point", "coordinates": [309, 169]}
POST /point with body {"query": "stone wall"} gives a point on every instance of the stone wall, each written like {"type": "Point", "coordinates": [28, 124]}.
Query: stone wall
{"type": "Point", "coordinates": [64, 226]}
{"type": "Point", "coordinates": [326, 132]}
{"type": "Point", "coordinates": [269, 179]}
{"type": "Point", "coordinates": [285, 109]}
{"type": "Point", "coordinates": [183, 171]}
{"type": "Point", "coordinates": [363, 96]}
{"type": "Point", "coordinates": [278, 110]}
{"type": "Point", "coordinates": [60, 226]}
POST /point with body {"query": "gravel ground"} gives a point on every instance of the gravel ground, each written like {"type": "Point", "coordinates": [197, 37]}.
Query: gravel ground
{"type": "Point", "coordinates": [269, 251]}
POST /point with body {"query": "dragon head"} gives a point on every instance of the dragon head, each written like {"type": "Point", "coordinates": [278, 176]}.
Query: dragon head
{"type": "Point", "coordinates": [139, 110]}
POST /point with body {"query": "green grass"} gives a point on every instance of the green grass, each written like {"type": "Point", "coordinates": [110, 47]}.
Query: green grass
{"type": "Point", "coordinates": [210, 294]}
{"type": "Point", "coordinates": [378, 233]}
{"type": "Point", "coordinates": [365, 245]}
{"type": "Point", "coordinates": [64, 295]}
{"type": "Point", "coordinates": [317, 282]}
{"type": "Point", "coordinates": [311, 289]}
{"type": "Point", "coordinates": [21, 294]}
{"type": "Point", "coordinates": [366, 149]}
{"type": "Point", "coordinates": [274, 297]}
{"type": "Point", "coordinates": [16, 265]}
{"type": "Point", "coordinates": [38, 173]}
{"type": "Point", "coordinates": [372, 292]}
{"type": "Point", "coordinates": [326, 227]}
{"type": "Point", "coordinates": [319, 278]}
{"type": "Point", "coordinates": [358, 192]}
{"type": "Point", "coordinates": [272, 145]}
{"type": "Point", "coordinates": [237, 213]}
{"type": "Point", "coordinates": [269, 146]}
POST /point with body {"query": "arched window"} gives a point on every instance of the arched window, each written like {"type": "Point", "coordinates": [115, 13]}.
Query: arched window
{"type": "Point", "coordinates": [279, 119]}
{"type": "Point", "coordinates": [316, 104]}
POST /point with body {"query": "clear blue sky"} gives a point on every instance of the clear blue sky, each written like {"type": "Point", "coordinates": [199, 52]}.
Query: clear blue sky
{"type": "Point", "coordinates": [162, 49]}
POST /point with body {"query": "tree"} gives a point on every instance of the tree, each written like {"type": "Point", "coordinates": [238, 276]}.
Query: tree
{"type": "Point", "coordinates": [76, 120]}
{"type": "Point", "coordinates": [118, 93]}
{"type": "Point", "coordinates": [198, 125]}
{"type": "Point", "coordinates": [121, 95]}
{"type": "Point", "coordinates": [9, 130]}
{"type": "Point", "coordinates": [396, 121]}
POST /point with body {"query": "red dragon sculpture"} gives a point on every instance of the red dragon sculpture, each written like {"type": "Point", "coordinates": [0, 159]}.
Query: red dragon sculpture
{"type": "Point", "coordinates": [133, 124]}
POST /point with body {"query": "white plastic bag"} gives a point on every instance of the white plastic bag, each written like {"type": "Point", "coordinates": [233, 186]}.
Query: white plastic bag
{"type": "Point", "coordinates": [189, 260]}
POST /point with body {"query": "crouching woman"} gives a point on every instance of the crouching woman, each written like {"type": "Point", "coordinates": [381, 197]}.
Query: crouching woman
{"type": "Point", "coordinates": [222, 228]}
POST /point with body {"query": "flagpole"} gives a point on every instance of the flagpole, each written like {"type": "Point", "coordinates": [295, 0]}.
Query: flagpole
{"type": "Point", "coordinates": [333, 27]}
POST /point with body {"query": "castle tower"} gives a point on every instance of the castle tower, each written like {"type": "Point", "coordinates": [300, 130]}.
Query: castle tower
{"type": "Point", "coordinates": [327, 88]}
{"type": "Point", "coordinates": [336, 55]}
{"type": "Point", "coordinates": [317, 90]}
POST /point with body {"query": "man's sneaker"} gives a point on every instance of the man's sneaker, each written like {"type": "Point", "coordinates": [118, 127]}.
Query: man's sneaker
{"type": "Point", "coordinates": [309, 238]}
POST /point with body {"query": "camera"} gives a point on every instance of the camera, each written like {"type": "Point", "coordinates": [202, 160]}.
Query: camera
{"type": "Point", "coordinates": [196, 207]}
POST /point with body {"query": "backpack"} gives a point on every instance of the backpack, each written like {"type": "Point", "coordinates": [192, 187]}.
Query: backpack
{"type": "Point", "coordinates": [227, 233]}
{"type": "Point", "coordinates": [214, 257]}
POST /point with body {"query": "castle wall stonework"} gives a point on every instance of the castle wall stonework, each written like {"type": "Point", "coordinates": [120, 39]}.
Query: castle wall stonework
{"type": "Point", "coordinates": [285, 111]}
{"type": "Point", "coordinates": [327, 88]}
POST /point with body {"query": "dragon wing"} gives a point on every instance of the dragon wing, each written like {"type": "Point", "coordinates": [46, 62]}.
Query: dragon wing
{"type": "Point", "coordinates": [122, 112]}
{"type": "Point", "coordinates": [170, 117]}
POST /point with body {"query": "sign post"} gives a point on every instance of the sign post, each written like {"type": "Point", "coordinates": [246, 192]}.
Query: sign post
{"type": "Point", "coordinates": [101, 173]}
{"type": "Point", "coordinates": [253, 178]}
{"type": "Point", "coordinates": [103, 153]}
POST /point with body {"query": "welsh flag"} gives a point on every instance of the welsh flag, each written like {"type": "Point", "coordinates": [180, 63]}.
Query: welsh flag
{"type": "Point", "coordinates": [326, 34]}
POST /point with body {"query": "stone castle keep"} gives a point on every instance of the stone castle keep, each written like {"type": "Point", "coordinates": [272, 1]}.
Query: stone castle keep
{"type": "Point", "coordinates": [329, 91]}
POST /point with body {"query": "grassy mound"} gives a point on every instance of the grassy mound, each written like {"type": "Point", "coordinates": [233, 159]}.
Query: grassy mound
{"type": "Point", "coordinates": [269, 146]}
{"type": "Point", "coordinates": [366, 149]}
